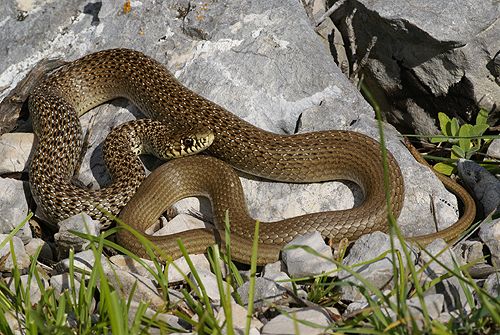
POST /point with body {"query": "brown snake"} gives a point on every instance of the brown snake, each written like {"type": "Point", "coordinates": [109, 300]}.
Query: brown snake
{"type": "Point", "coordinates": [309, 157]}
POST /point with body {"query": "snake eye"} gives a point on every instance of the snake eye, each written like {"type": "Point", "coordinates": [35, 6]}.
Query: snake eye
{"type": "Point", "coordinates": [188, 142]}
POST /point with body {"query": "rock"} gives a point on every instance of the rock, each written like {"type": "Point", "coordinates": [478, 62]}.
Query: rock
{"type": "Point", "coordinates": [492, 285]}
{"type": "Point", "coordinates": [15, 149]}
{"type": "Point", "coordinates": [181, 269]}
{"type": "Point", "coordinates": [83, 260]}
{"type": "Point", "coordinates": [82, 223]}
{"type": "Point", "coordinates": [63, 282]}
{"type": "Point", "coordinates": [34, 289]}
{"type": "Point", "coordinates": [434, 304]}
{"type": "Point", "coordinates": [446, 317]}
{"type": "Point", "coordinates": [128, 264]}
{"type": "Point", "coordinates": [494, 147]}
{"type": "Point", "coordinates": [355, 306]}
{"type": "Point", "coordinates": [169, 319]}
{"type": "Point", "coordinates": [22, 258]}
{"type": "Point", "coordinates": [450, 288]}
{"type": "Point", "coordinates": [267, 289]}
{"type": "Point", "coordinates": [472, 254]}
{"type": "Point", "coordinates": [490, 235]}
{"type": "Point", "coordinates": [301, 263]}
{"type": "Point", "coordinates": [14, 208]}
{"type": "Point", "coordinates": [135, 287]}
{"type": "Point", "coordinates": [440, 250]}
{"type": "Point", "coordinates": [181, 222]}
{"type": "Point", "coordinates": [470, 251]}
{"type": "Point", "coordinates": [15, 322]}
{"type": "Point", "coordinates": [481, 271]}
{"type": "Point", "coordinates": [45, 249]}
{"type": "Point", "coordinates": [198, 207]}
{"type": "Point", "coordinates": [209, 281]}
{"type": "Point", "coordinates": [271, 269]}
{"type": "Point", "coordinates": [222, 66]}
{"type": "Point", "coordinates": [122, 281]}
{"type": "Point", "coordinates": [445, 64]}
{"type": "Point", "coordinates": [175, 297]}
{"type": "Point", "coordinates": [485, 186]}
{"type": "Point", "coordinates": [378, 273]}
{"type": "Point", "coordinates": [239, 319]}
{"type": "Point", "coordinates": [286, 324]}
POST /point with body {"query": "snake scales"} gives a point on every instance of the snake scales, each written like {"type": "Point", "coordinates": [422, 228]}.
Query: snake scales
{"type": "Point", "coordinates": [56, 104]}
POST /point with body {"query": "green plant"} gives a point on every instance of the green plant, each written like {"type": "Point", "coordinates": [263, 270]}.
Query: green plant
{"type": "Point", "coordinates": [465, 139]}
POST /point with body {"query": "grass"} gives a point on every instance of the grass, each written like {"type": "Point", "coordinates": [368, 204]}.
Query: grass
{"type": "Point", "coordinates": [93, 305]}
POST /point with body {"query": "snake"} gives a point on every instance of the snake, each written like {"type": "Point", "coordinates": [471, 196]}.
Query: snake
{"type": "Point", "coordinates": [57, 103]}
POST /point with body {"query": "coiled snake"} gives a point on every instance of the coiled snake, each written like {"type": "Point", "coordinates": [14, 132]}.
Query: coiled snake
{"type": "Point", "coordinates": [57, 103]}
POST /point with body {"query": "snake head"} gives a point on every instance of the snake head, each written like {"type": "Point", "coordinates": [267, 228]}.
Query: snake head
{"type": "Point", "coordinates": [183, 142]}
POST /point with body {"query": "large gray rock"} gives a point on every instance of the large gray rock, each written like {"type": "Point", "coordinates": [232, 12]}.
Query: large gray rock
{"type": "Point", "coordinates": [211, 287]}
{"type": "Point", "coordinates": [127, 263]}
{"type": "Point", "coordinates": [429, 56]}
{"type": "Point", "coordinates": [379, 273]}
{"type": "Point", "coordinates": [15, 150]}
{"type": "Point", "coordinates": [298, 321]}
{"type": "Point", "coordinates": [261, 60]}
{"type": "Point", "coordinates": [22, 258]}
{"type": "Point", "coordinates": [450, 288]}
{"type": "Point", "coordinates": [239, 319]}
{"type": "Point", "coordinates": [140, 289]}
{"type": "Point", "coordinates": [494, 147]}
{"type": "Point", "coordinates": [63, 282]}
{"type": "Point", "coordinates": [179, 269]}
{"type": "Point", "coordinates": [35, 244]}
{"type": "Point", "coordinates": [433, 303]}
{"type": "Point", "coordinates": [267, 289]}
{"type": "Point", "coordinates": [301, 262]}
{"type": "Point", "coordinates": [14, 208]}
{"type": "Point", "coordinates": [81, 223]}
{"type": "Point", "coordinates": [490, 235]}
{"type": "Point", "coordinates": [28, 284]}
{"type": "Point", "coordinates": [484, 186]}
{"type": "Point", "coordinates": [169, 319]}
{"type": "Point", "coordinates": [492, 285]}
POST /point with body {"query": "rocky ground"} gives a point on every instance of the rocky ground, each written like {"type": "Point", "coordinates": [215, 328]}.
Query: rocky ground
{"type": "Point", "coordinates": [285, 66]}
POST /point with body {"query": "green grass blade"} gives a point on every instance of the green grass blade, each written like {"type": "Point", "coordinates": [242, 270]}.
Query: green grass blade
{"type": "Point", "coordinates": [253, 271]}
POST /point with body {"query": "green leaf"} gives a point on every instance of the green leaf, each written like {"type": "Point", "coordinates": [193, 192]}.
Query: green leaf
{"type": "Point", "coordinates": [454, 127]}
{"type": "Point", "coordinates": [437, 139]}
{"type": "Point", "coordinates": [478, 129]}
{"type": "Point", "coordinates": [482, 117]}
{"type": "Point", "coordinates": [472, 150]}
{"type": "Point", "coordinates": [444, 168]}
{"type": "Point", "coordinates": [458, 151]}
{"type": "Point", "coordinates": [444, 122]}
{"type": "Point", "coordinates": [465, 131]}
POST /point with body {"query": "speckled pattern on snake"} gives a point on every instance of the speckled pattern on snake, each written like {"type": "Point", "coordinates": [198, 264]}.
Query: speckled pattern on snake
{"type": "Point", "coordinates": [56, 105]}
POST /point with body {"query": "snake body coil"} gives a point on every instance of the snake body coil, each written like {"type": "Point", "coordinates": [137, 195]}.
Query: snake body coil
{"type": "Point", "coordinates": [309, 157]}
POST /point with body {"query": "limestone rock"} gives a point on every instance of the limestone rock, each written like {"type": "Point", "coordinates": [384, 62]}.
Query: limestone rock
{"type": "Point", "coordinates": [80, 223]}
{"type": "Point", "coordinates": [484, 185]}
{"type": "Point", "coordinates": [286, 324]}
{"type": "Point", "coordinates": [14, 208]}
{"type": "Point", "coordinates": [22, 258]}
{"type": "Point", "coordinates": [490, 235]}
{"type": "Point", "coordinates": [378, 273]}
{"type": "Point", "coordinates": [15, 151]}
{"type": "Point", "coordinates": [300, 263]}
